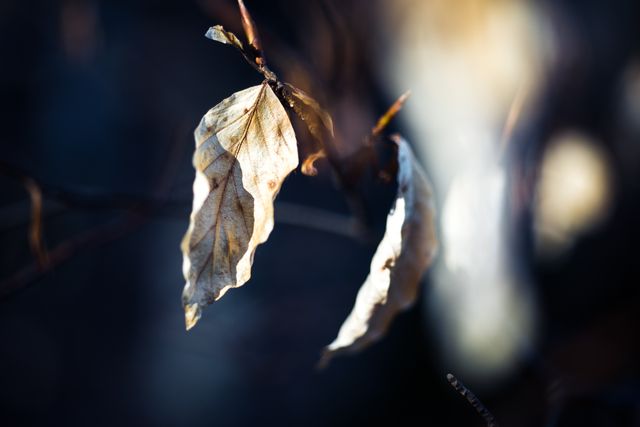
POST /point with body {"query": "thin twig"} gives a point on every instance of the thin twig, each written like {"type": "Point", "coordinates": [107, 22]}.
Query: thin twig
{"type": "Point", "coordinates": [473, 400]}
{"type": "Point", "coordinates": [96, 237]}
{"type": "Point", "coordinates": [251, 32]}
{"type": "Point", "coordinates": [318, 219]}
{"type": "Point", "coordinates": [138, 210]}
{"type": "Point", "coordinates": [66, 250]}
{"type": "Point", "coordinates": [391, 112]}
{"type": "Point", "coordinates": [285, 212]}
{"type": "Point", "coordinates": [36, 239]}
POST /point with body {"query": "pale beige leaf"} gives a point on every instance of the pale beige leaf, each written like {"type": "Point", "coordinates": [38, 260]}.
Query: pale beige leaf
{"type": "Point", "coordinates": [245, 147]}
{"type": "Point", "coordinates": [403, 255]}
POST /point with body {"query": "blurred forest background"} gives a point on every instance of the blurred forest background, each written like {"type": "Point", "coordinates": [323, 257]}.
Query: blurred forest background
{"type": "Point", "coordinates": [526, 115]}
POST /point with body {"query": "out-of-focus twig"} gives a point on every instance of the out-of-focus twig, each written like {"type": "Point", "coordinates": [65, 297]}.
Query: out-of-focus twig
{"type": "Point", "coordinates": [97, 236]}
{"type": "Point", "coordinates": [286, 212]}
{"type": "Point", "coordinates": [318, 219]}
{"type": "Point", "coordinates": [66, 250]}
{"type": "Point", "coordinates": [251, 32]}
{"type": "Point", "coordinates": [138, 210]}
{"type": "Point", "coordinates": [386, 118]}
{"type": "Point", "coordinates": [473, 400]}
{"type": "Point", "coordinates": [36, 239]}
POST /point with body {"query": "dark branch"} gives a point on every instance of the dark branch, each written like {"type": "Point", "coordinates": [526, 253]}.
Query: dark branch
{"type": "Point", "coordinates": [473, 400]}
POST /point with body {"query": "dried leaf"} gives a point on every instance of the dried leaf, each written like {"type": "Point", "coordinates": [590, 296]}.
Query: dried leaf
{"type": "Point", "coordinates": [308, 166]}
{"type": "Point", "coordinates": [317, 120]}
{"type": "Point", "coordinates": [403, 255]}
{"type": "Point", "coordinates": [219, 34]}
{"type": "Point", "coordinates": [309, 111]}
{"type": "Point", "coordinates": [245, 147]}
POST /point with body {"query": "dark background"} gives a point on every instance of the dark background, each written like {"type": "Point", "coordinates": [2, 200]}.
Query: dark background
{"type": "Point", "coordinates": [99, 100]}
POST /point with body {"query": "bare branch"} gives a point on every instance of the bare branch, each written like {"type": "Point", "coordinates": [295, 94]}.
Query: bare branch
{"type": "Point", "coordinates": [92, 238]}
{"type": "Point", "coordinates": [473, 400]}
{"type": "Point", "coordinates": [82, 243]}
{"type": "Point", "coordinates": [318, 219]}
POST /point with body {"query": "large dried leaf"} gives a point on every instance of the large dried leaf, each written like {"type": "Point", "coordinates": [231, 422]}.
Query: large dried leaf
{"type": "Point", "coordinates": [403, 255]}
{"type": "Point", "coordinates": [245, 147]}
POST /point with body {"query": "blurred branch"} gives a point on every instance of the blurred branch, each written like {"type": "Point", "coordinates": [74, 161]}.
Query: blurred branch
{"type": "Point", "coordinates": [318, 219]}
{"type": "Point", "coordinates": [251, 32]}
{"type": "Point", "coordinates": [286, 212]}
{"type": "Point", "coordinates": [92, 238]}
{"type": "Point", "coordinates": [139, 210]}
{"type": "Point", "coordinates": [36, 238]}
{"type": "Point", "coordinates": [68, 249]}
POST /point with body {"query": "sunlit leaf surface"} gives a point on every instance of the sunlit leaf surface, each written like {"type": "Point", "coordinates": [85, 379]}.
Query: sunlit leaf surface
{"type": "Point", "coordinates": [245, 147]}
{"type": "Point", "coordinates": [403, 255]}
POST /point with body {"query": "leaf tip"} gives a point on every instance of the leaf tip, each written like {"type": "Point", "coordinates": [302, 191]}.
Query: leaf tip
{"type": "Point", "coordinates": [210, 33]}
{"type": "Point", "coordinates": [219, 34]}
{"type": "Point", "coordinates": [215, 33]}
{"type": "Point", "coordinates": [192, 313]}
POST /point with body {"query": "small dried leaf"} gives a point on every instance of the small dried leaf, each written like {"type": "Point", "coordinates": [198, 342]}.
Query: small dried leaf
{"type": "Point", "coordinates": [403, 255]}
{"type": "Point", "coordinates": [245, 147]}
{"type": "Point", "coordinates": [308, 167]}
{"type": "Point", "coordinates": [309, 111]}
{"type": "Point", "coordinates": [219, 34]}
